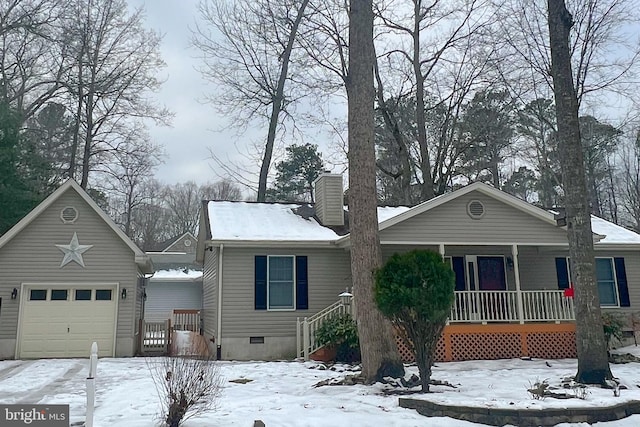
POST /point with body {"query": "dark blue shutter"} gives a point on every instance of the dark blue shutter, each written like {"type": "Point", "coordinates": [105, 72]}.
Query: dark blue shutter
{"type": "Point", "coordinates": [261, 282]}
{"type": "Point", "coordinates": [621, 278]}
{"type": "Point", "coordinates": [457, 263]}
{"type": "Point", "coordinates": [302, 283]}
{"type": "Point", "coordinates": [562, 273]}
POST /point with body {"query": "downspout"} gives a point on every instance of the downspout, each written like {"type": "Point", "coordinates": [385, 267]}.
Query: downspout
{"type": "Point", "coordinates": [219, 328]}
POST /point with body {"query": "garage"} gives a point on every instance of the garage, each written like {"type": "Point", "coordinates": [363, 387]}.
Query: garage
{"type": "Point", "coordinates": [63, 320]}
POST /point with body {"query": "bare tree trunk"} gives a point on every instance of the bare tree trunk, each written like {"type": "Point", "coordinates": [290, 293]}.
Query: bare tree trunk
{"type": "Point", "coordinates": [276, 107]}
{"type": "Point", "coordinates": [88, 139]}
{"type": "Point", "coordinates": [76, 129]}
{"type": "Point", "coordinates": [426, 191]}
{"type": "Point", "coordinates": [391, 122]}
{"type": "Point", "coordinates": [379, 354]}
{"type": "Point", "coordinates": [593, 366]}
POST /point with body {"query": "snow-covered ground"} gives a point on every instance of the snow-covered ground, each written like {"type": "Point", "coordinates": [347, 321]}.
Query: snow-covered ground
{"type": "Point", "coordinates": [282, 393]}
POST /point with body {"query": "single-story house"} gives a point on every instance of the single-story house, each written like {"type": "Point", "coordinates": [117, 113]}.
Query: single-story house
{"type": "Point", "coordinates": [272, 268]}
{"type": "Point", "coordinates": [70, 276]}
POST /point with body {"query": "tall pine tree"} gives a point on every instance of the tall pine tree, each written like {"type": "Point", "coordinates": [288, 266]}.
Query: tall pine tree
{"type": "Point", "coordinates": [22, 171]}
{"type": "Point", "coordinates": [296, 173]}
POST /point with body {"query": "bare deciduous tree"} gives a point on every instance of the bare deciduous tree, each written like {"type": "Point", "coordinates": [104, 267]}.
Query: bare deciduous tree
{"type": "Point", "coordinates": [604, 57]}
{"type": "Point", "coordinates": [629, 182]}
{"type": "Point", "coordinates": [252, 61]}
{"type": "Point", "coordinates": [418, 65]}
{"type": "Point", "coordinates": [115, 63]}
{"type": "Point", "coordinates": [132, 166]}
{"type": "Point", "coordinates": [221, 190]}
{"type": "Point", "coordinates": [33, 53]}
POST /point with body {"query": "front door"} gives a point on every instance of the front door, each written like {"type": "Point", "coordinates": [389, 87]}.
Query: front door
{"type": "Point", "coordinates": [488, 272]}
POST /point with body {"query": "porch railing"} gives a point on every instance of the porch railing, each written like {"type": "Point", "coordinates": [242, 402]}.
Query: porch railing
{"type": "Point", "coordinates": [306, 327]}
{"type": "Point", "coordinates": [545, 306]}
{"type": "Point", "coordinates": [502, 306]}
{"type": "Point", "coordinates": [468, 307]}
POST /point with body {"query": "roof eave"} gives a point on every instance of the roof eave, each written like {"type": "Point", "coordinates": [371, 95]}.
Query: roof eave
{"type": "Point", "coordinates": [616, 246]}
{"type": "Point", "coordinates": [144, 263]}
{"type": "Point", "coordinates": [270, 243]}
{"type": "Point", "coordinates": [176, 279]}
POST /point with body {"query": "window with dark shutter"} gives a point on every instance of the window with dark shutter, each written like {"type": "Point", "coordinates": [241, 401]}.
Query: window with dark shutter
{"type": "Point", "coordinates": [562, 273]}
{"type": "Point", "coordinates": [277, 279]}
{"type": "Point", "coordinates": [457, 263]}
{"type": "Point", "coordinates": [611, 280]}
{"type": "Point", "coordinates": [260, 282]}
{"type": "Point", "coordinates": [302, 283]}
{"type": "Point", "coordinates": [621, 278]}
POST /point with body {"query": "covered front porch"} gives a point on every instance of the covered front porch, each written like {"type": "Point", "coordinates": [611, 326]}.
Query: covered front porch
{"type": "Point", "coordinates": [505, 283]}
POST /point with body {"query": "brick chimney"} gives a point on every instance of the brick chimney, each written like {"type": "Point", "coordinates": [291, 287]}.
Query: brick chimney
{"type": "Point", "coordinates": [328, 197]}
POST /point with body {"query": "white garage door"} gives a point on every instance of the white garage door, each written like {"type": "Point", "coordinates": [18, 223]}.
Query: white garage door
{"type": "Point", "coordinates": [63, 321]}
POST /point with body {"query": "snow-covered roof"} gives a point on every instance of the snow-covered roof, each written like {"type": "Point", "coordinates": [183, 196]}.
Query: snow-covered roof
{"type": "Point", "coordinates": [614, 234]}
{"type": "Point", "coordinates": [177, 274]}
{"type": "Point", "coordinates": [387, 212]}
{"type": "Point", "coordinates": [264, 221]}
{"type": "Point", "coordinates": [272, 221]}
{"type": "Point", "coordinates": [255, 222]}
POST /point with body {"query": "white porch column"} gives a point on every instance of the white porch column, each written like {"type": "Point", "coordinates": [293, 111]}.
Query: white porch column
{"type": "Point", "coordinates": [442, 250]}
{"type": "Point", "coordinates": [516, 273]}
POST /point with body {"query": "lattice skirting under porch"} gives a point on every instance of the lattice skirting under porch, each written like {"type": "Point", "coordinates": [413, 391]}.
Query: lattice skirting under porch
{"type": "Point", "coordinates": [502, 341]}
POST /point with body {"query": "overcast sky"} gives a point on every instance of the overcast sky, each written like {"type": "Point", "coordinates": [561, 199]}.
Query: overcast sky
{"type": "Point", "coordinates": [196, 126]}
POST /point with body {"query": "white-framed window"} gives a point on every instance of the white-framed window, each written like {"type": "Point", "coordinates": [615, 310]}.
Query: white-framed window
{"type": "Point", "coordinates": [607, 284]}
{"type": "Point", "coordinates": [281, 287]}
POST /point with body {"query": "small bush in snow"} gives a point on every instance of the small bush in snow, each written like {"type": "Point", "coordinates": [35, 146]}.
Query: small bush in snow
{"type": "Point", "coordinates": [538, 390]}
{"type": "Point", "coordinates": [187, 385]}
{"type": "Point", "coordinates": [340, 332]}
{"type": "Point", "coordinates": [613, 325]}
{"type": "Point", "coordinates": [415, 291]}
{"type": "Point", "coordinates": [580, 391]}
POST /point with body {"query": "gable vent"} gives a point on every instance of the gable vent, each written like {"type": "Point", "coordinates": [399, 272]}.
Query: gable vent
{"type": "Point", "coordinates": [69, 215]}
{"type": "Point", "coordinates": [475, 209]}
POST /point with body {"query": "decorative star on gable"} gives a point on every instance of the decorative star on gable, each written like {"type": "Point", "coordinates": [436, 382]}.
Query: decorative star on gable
{"type": "Point", "coordinates": [73, 251]}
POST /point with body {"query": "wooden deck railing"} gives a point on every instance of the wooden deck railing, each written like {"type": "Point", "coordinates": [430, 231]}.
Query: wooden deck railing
{"type": "Point", "coordinates": [155, 337]}
{"type": "Point", "coordinates": [186, 320]}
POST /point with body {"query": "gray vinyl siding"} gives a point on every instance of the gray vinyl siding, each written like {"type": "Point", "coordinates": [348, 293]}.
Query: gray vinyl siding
{"type": "Point", "coordinates": [538, 271]}
{"type": "Point", "coordinates": [328, 273]}
{"type": "Point", "coordinates": [450, 223]}
{"type": "Point", "coordinates": [210, 292]}
{"type": "Point", "coordinates": [329, 199]}
{"type": "Point", "coordinates": [32, 257]}
{"type": "Point", "coordinates": [165, 296]}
